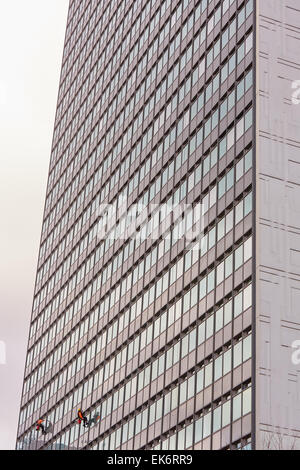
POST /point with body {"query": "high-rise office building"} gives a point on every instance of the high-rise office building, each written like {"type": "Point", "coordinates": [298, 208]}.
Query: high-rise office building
{"type": "Point", "coordinates": [173, 341]}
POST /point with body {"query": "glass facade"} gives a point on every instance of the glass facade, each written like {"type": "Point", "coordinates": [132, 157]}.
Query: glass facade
{"type": "Point", "coordinates": [155, 106]}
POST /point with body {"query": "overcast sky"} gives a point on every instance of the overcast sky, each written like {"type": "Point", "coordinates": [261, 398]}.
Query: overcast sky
{"type": "Point", "coordinates": [31, 44]}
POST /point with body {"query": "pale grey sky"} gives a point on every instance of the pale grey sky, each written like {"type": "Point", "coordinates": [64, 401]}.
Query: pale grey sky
{"type": "Point", "coordinates": [31, 44]}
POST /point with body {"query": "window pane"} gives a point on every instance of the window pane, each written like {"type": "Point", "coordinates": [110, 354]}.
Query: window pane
{"type": "Point", "coordinates": [217, 419]}
{"type": "Point", "coordinates": [247, 401]}
{"type": "Point", "coordinates": [206, 425]}
{"type": "Point", "coordinates": [237, 403]}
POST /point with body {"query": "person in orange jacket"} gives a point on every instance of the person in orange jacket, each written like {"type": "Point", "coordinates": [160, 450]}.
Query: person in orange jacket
{"type": "Point", "coordinates": [81, 418]}
{"type": "Point", "coordinates": [40, 425]}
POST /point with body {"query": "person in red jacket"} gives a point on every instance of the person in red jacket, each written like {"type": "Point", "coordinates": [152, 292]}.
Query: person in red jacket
{"type": "Point", "coordinates": [81, 418]}
{"type": "Point", "coordinates": [40, 426]}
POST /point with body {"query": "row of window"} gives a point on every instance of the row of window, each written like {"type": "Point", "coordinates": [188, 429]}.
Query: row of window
{"type": "Point", "coordinates": [70, 129]}
{"type": "Point", "coordinates": [186, 390]}
{"type": "Point", "coordinates": [220, 366]}
{"type": "Point", "coordinates": [108, 68]}
{"type": "Point", "coordinates": [195, 142]}
{"type": "Point", "coordinates": [224, 226]}
{"type": "Point", "coordinates": [192, 256]}
{"type": "Point", "coordinates": [134, 181]}
{"type": "Point", "coordinates": [156, 97]}
{"type": "Point", "coordinates": [241, 210]}
{"type": "Point", "coordinates": [75, 61]}
{"type": "Point", "coordinates": [83, 171]}
{"type": "Point", "coordinates": [206, 285]}
{"type": "Point", "coordinates": [189, 435]}
{"type": "Point", "coordinates": [224, 315]}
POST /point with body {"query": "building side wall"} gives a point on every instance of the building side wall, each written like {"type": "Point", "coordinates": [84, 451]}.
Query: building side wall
{"type": "Point", "coordinates": [149, 333]}
{"type": "Point", "coordinates": [278, 224]}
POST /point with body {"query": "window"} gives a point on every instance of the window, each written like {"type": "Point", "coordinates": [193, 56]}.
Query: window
{"type": "Point", "coordinates": [247, 345]}
{"type": "Point", "coordinates": [226, 413]}
{"type": "Point", "coordinates": [238, 257]}
{"type": "Point", "coordinates": [248, 297]}
{"type": "Point", "coordinates": [248, 249]}
{"type": "Point", "coordinates": [210, 281]}
{"type": "Point", "coordinates": [237, 354]}
{"type": "Point", "coordinates": [228, 266]}
{"type": "Point", "coordinates": [237, 407]}
{"type": "Point", "coordinates": [227, 362]}
{"type": "Point", "coordinates": [219, 318]}
{"type": "Point", "coordinates": [238, 304]}
{"type": "Point", "coordinates": [198, 430]}
{"type": "Point", "coordinates": [189, 436]}
{"type": "Point", "coordinates": [218, 367]}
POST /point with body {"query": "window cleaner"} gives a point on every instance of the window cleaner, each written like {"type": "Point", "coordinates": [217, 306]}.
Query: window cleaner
{"type": "Point", "coordinates": [82, 417]}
